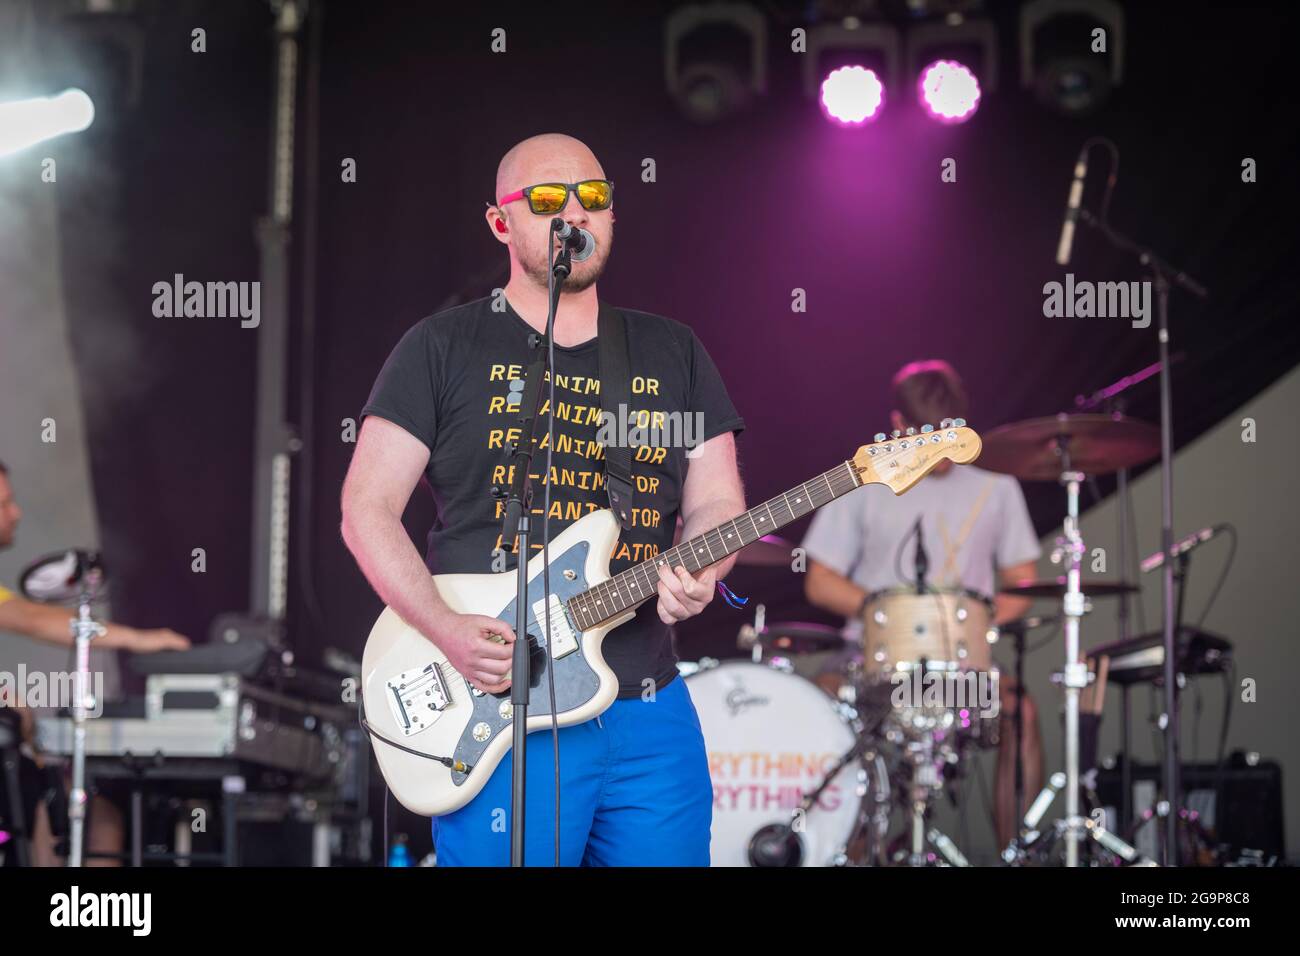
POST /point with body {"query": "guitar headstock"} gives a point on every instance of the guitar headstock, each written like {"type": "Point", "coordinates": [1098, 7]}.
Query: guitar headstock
{"type": "Point", "coordinates": [901, 460]}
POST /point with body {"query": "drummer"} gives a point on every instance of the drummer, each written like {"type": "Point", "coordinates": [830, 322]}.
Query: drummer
{"type": "Point", "coordinates": [977, 536]}
{"type": "Point", "coordinates": [52, 625]}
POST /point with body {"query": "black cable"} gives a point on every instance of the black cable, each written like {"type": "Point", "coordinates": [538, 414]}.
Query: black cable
{"type": "Point", "coordinates": [898, 556]}
{"type": "Point", "coordinates": [546, 536]}
{"type": "Point", "coordinates": [1050, 638]}
{"type": "Point", "coordinates": [1223, 575]}
{"type": "Point", "coordinates": [1132, 550]}
{"type": "Point", "coordinates": [1112, 176]}
{"type": "Point", "coordinates": [1229, 692]}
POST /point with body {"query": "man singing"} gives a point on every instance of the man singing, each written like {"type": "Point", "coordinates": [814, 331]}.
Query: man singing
{"type": "Point", "coordinates": [635, 786]}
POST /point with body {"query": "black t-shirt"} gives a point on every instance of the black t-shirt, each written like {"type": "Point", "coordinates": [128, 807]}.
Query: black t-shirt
{"type": "Point", "coordinates": [449, 383]}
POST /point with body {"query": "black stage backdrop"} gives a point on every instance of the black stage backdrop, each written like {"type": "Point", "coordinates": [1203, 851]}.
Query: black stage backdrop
{"type": "Point", "coordinates": [896, 264]}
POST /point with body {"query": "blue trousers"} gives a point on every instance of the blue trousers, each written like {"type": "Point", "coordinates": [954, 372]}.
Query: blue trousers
{"type": "Point", "coordinates": [634, 791]}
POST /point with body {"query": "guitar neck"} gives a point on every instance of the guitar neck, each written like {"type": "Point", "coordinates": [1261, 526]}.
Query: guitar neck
{"type": "Point", "coordinates": [640, 582]}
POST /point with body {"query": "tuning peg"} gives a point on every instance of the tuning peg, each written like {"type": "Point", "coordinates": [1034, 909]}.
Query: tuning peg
{"type": "Point", "coordinates": [959, 423]}
{"type": "Point", "coordinates": [945, 423]}
{"type": "Point", "coordinates": [895, 434]}
{"type": "Point", "coordinates": [878, 436]}
{"type": "Point", "coordinates": [926, 429]}
{"type": "Point", "coordinates": [911, 432]}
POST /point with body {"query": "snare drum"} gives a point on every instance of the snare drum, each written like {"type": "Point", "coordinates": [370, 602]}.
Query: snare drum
{"type": "Point", "coordinates": [950, 629]}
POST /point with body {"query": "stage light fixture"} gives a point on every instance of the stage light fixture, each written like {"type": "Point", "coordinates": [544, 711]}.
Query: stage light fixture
{"type": "Point", "coordinates": [849, 66]}
{"type": "Point", "coordinates": [26, 122]}
{"type": "Point", "coordinates": [1057, 59]}
{"type": "Point", "coordinates": [949, 91]}
{"type": "Point", "coordinates": [852, 95]}
{"type": "Point", "coordinates": [715, 59]}
{"type": "Point", "coordinates": [960, 57]}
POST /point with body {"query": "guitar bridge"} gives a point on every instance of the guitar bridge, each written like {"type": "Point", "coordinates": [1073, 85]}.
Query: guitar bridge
{"type": "Point", "coordinates": [418, 698]}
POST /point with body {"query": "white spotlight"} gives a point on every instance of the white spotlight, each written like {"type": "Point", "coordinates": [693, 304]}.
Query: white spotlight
{"type": "Point", "coordinates": [24, 123]}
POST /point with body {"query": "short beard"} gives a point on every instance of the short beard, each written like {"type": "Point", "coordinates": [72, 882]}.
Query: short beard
{"type": "Point", "coordinates": [540, 273]}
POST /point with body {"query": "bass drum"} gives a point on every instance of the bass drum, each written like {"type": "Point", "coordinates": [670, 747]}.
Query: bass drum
{"type": "Point", "coordinates": [771, 738]}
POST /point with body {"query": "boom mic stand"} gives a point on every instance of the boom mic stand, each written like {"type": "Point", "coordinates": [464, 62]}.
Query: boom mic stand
{"type": "Point", "coordinates": [1163, 275]}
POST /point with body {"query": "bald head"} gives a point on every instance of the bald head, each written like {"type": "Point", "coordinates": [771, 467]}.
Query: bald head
{"type": "Point", "coordinates": [547, 157]}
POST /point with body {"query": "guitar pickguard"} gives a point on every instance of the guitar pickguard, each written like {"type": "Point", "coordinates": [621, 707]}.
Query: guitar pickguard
{"type": "Point", "coordinates": [575, 681]}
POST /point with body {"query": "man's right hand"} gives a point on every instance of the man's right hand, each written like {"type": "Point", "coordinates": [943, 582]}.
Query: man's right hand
{"type": "Point", "coordinates": [480, 648]}
{"type": "Point", "coordinates": [142, 640]}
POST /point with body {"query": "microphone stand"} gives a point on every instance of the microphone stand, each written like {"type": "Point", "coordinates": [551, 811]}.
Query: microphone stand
{"type": "Point", "coordinates": [1111, 399]}
{"type": "Point", "coordinates": [1163, 275]}
{"type": "Point", "coordinates": [516, 527]}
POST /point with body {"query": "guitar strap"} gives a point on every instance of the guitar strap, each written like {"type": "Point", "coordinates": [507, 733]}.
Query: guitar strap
{"type": "Point", "coordinates": [615, 367]}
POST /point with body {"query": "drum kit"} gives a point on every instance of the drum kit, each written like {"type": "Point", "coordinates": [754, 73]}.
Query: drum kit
{"type": "Point", "coordinates": [815, 773]}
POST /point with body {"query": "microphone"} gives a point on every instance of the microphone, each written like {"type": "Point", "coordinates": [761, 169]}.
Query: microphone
{"type": "Point", "coordinates": [1182, 547]}
{"type": "Point", "coordinates": [922, 559]}
{"type": "Point", "coordinates": [1072, 209]}
{"type": "Point", "coordinates": [580, 243]}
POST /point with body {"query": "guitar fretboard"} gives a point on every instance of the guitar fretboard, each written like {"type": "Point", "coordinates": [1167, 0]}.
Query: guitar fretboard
{"type": "Point", "coordinates": [640, 582]}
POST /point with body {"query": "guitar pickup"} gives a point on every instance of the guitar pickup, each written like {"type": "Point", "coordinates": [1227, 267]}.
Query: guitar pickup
{"type": "Point", "coordinates": [418, 698]}
{"type": "Point", "coordinates": [563, 639]}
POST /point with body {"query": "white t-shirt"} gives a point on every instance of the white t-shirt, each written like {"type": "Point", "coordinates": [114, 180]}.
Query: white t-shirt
{"type": "Point", "coordinates": [973, 522]}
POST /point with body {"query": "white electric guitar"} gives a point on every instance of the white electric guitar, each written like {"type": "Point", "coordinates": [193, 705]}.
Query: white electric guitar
{"type": "Point", "coordinates": [438, 739]}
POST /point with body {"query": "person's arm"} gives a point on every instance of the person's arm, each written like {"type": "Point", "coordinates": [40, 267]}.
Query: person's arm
{"type": "Point", "coordinates": [833, 547]}
{"type": "Point", "coordinates": [1017, 553]}
{"type": "Point", "coordinates": [711, 494]}
{"type": "Point", "coordinates": [385, 469]}
{"type": "Point", "coordinates": [1008, 608]}
{"type": "Point", "coordinates": [53, 625]}
{"type": "Point", "coordinates": [832, 592]}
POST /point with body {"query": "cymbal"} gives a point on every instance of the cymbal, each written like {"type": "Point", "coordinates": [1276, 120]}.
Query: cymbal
{"type": "Point", "coordinates": [769, 551]}
{"type": "Point", "coordinates": [1098, 445]}
{"type": "Point", "coordinates": [65, 577]}
{"type": "Point", "coordinates": [1055, 588]}
{"type": "Point", "coordinates": [797, 637]}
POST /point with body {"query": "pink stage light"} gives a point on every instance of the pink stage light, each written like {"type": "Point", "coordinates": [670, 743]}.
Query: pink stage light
{"type": "Point", "coordinates": [852, 95]}
{"type": "Point", "coordinates": [949, 91]}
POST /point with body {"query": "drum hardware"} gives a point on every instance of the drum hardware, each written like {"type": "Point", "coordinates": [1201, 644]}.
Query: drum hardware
{"type": "Point", "coordinates": [1066, 448]}
{"type": "Point", "coordinates": [1035, 845]}
{"type": "Point", "coordinates": [787, 637]}
{"type": "Point", "coordinates": [873, 819]}
{"type": "Point", "coordinates": [73, 576]}
{"type": "Point", "coordinates": [758, 722]}
{"type": "Point", "coordinates": [778, 844]}
{"type": "Point", "coordinates": [1019, 630]}
{"type": "Point", "coordinates": [689, 668]}
{"type": "Point", "coordinates": [926, 758]}
{"type": "Point", "coordinates": [939, 638]}
{"type": "Point", "coordinates": [1057, 588]}
{"type": "Point", "coordinates": [747, 637]}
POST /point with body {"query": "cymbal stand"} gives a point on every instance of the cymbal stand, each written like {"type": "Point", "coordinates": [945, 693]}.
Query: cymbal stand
{"type": "Point", "coordinates": [1037, 843]}
{"type": "Point", "coordinates": [84, 630]}
{"type": "Point", "coordinates": [1070, 550]}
